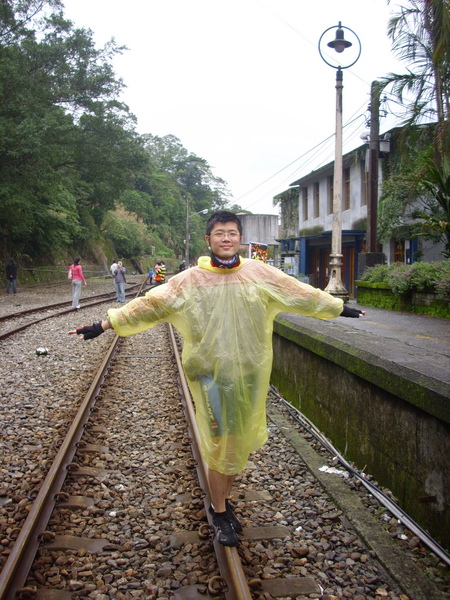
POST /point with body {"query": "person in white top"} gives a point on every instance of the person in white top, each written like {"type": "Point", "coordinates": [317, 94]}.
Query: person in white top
{"type": "Point", "coordinates": [113, 267]}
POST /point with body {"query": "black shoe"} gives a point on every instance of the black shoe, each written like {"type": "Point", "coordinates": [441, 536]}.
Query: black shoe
{"type": "Point", "coordinates": [226, 534]}
{"type": "Point", "coordinates": [231, 516]}
{"type": "Point", "coordinates": [233, 519]}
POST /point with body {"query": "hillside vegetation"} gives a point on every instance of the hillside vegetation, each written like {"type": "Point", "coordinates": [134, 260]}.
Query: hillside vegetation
{"type": "Point", "coordinates": [74, 173]}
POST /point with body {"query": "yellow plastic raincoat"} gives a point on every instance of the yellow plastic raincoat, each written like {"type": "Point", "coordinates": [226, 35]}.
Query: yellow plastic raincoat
{"type": "Point", "coordinates": [226, 319]}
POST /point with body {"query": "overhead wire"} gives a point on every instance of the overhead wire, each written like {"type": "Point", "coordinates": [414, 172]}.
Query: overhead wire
{"type": "Point", "coordinates": [293, 28]}
{"type": "Point", "coordinates": [285, 167]}
{"type": "Point", "coordinates": [318, 148]}
{"type": "Point", "coordinates": [270, 10]}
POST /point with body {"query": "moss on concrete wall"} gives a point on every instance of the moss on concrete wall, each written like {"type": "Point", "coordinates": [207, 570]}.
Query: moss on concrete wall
{"type": "Point", "coordinates": [404, 446]}
{"type": "Point", "coordinates": [381, 296]}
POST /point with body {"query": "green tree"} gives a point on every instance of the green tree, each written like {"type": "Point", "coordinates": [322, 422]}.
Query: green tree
{"type": "Point", "coordinates": [66, 144]}
{"type": "Point", "coordinates": [130, 238]}
{"type": "Point", "coordinates": [69, 152]}
{"type": "Point", "coordinates": [435, 209]}
{"type": "Point", "coordinates": [192, 173]}
{"type": "Point", "coordinates": [420, 34]}
{"type": "Point", "coordinates": [174, 174]}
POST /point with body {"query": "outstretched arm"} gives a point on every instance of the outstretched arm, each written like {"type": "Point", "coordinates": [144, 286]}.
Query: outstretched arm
{"type": "Point", "coordinates": [353, 313]}
{"type": "Point", "coordinates": [90, 332]}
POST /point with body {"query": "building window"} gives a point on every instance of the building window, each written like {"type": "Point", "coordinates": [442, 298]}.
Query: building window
{"type": "Point", "coordinates": [330, 195]}
{"type": "Point", "coordinates": [346, 203]}
{"type": "Point", "coordinates": [316, 200]}
{"type": "Point", "coordinates": [305, 203]}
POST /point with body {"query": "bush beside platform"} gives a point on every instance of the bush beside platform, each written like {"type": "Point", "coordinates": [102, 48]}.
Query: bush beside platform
{"type": "Point", "coordinates": [380, 295]}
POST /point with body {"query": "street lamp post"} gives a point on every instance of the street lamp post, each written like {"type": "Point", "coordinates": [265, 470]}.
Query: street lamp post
{"type": "Point", "coordinates": [188, 216]}
{"type": "Point", "coordinates": [339, 44]}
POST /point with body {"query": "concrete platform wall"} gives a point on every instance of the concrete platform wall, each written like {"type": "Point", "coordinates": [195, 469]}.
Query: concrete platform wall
{"type": "Point", "coordinates": [404, 444]}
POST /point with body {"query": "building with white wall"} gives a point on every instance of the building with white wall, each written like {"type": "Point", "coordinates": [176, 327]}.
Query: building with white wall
{"type": "Point", "coordinates": [306, 217]}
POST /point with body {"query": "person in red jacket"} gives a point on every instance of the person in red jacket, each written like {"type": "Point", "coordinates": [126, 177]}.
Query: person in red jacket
{"type": "Point", "coordinates": [77, 277]}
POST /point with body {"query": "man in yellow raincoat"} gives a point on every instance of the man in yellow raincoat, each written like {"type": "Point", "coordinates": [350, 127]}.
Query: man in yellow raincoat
{"type": "Point", "coordinates": [224, 309]}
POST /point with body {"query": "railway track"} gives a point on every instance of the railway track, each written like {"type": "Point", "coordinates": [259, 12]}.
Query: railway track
{"type": "Point", "coordinates": [25, 318]}
{"type": "Point", "coordinates": [125, 503]}
{"type": "Point", "coordinates": [34, 533]}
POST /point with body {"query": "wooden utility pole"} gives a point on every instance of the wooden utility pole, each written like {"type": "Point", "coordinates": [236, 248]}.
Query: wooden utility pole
{"type": "Point", "coordinates": [371, 256]}
{"type": "Point", "coordinates": [374, 145]}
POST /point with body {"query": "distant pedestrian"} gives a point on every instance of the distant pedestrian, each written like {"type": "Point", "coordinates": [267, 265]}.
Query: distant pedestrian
{"type": "Point", "coordinates": [182, 267]}
{"type": "Point", "coordinates": [11, 276]}
{"type": "Point", "coordinates": [120, 281]}
{"type": "Point", "coordinates": [76, 275]}
{"type": "Point", "coordinates": [160, 270]}
{"type": "Point", "coordinates": [151, 275]}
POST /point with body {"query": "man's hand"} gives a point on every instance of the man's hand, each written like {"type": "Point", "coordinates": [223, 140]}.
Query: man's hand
{"type": "Point", "coordinates": [353, 313]}
{"type": "Point", "coordinates": [89, 331]}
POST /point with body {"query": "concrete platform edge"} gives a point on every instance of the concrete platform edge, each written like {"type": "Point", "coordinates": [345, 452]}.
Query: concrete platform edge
{"type": "Point", "coordinates": [421, 391]}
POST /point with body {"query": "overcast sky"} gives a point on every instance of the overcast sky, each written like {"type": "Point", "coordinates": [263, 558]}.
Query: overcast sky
{"type": "Point", "coordinates": [241, 82]}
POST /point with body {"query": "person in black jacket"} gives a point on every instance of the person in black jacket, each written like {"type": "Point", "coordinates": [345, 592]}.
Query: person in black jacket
{"type": "Point", "coordinates": [11, 276]}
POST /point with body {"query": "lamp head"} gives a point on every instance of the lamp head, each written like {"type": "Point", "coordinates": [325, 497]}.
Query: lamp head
{"type": "Point", "coordinates": [339, 43]}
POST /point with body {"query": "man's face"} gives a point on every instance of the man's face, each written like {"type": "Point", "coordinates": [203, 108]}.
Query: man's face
{"type": "Point", "coordinates": [224, 239]}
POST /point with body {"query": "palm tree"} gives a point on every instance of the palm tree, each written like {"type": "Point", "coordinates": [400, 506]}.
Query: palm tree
{"type": "Point", "coordinates": [420, 33]}
{"type": "Point", "coordinates": [435, 211]}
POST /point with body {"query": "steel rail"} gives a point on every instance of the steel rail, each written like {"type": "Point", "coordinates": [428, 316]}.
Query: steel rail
{"type": "Point", "coordinates": [228, 559]}
{"type": "Point", "coordinates": [18, 565]}
{"type": "Point", "coordinates": [29, 311]}
{"type": "Point", "coordinates": [15, 330]}
{"type": "Point", "coordinates": [85, 304]}
{"type": "Point", "coordinates": [383, 498]}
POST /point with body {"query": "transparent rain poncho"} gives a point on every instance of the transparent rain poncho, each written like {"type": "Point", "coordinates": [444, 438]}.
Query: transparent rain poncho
{"type": "Point", "coordinates": [226, 319]}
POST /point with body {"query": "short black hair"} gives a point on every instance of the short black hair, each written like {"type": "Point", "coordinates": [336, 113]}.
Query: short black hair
{"type": "Point", "coordinates": [223, 216]}
{"type": "Point", "coordinates": [76, 260]}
